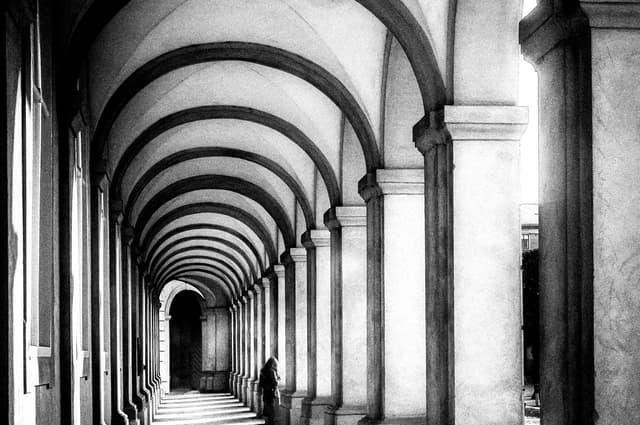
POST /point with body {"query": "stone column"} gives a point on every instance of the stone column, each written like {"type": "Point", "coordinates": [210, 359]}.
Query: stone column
{"type": "Point", "coordinates": [138, 395]}
{"type": "Point", "coordinates": [258, 314]}
{"type": "Point", "coordinates": [295, 261]}
{"type": "Point", "coordinates": [232, 372]}
{"type": "Point", "coordinates": [279, 271]}
{"type": "Point", "coordinates": [317, 243]}
{"type": "Point", "coordinates": [128, 343]}
{"type": "Point", "coordinates": [348, 227]}
{"type": "Point", "coordinates": [396, 295]}
{"type": "Point", "coordinates": [99, 256]}
{"type": "Point", "coordinates": [251, 383]}
{"type": "Point", "coordinates": [238, 331]}
{"type": "Point", "coordinates": [268, 318]}
{"type": "Point", "coordinates": [239, 347]}
{"type": "Point", "coordinates": [486, 240]}
{"type": "Point", "coordinates": [244, 326]}
{"type": "Point", "coordinates": [557, 42]}
{"type": "Point", "coordinates": [115, 287]}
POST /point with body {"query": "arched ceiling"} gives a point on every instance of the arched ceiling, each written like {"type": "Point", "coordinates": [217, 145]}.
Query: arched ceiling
{"type": "Point", "coordinates": [221, 123]}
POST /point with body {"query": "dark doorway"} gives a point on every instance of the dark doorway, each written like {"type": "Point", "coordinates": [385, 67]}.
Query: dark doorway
{"type": "Point", "coordinates": [185, 342]}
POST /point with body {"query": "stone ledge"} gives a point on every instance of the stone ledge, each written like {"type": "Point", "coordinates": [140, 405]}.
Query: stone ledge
{"type": "Point", "coordinates": [412, 420]}
{"type": "Point", "coordinates": [400, 181]}
{"type": "Point", "coordinates": [621, 14]}
{"type": "Point", "coordinates": [486, 122]}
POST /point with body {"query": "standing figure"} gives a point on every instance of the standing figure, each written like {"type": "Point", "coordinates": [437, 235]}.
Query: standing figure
{"type": "Point", "coordinates": [270, 395]}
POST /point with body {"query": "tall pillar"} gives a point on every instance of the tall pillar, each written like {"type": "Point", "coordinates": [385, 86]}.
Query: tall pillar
{"type": "Point", "coordinates": [165, 369]}
{"type": "Point", "coordinates": [598, 139]}
{"type": "Point", "coordinates": [236, 378]}
{"type": "Point", "coordinates": [615, 74]}
{"type": "Point", "coordinates": [128, 344]}
{"type": "Point", "coordinates": [239, 348]}
{"type": "Point", "coordinates": [486, 240]}
{"type": "Point", "coordinates": [295, 261]}
{"type": "Point", "coordinates": [318, 247]}
{"type": "Point", "coordinates": [268, 319]}
{"type": "Point", "coordinates": [246, 347]}
{"type": "Point", "coordinates": [395, 295]}
{"type": "Point", "coordinates": [99, 255]}
{"type": "Point", "coordinates": [115, 286]}
{"type": "Point", "coordinates": [232, 372]}
{"type": "Point", "coordinates": [348, 227]}
{"type": "Point", "coordinates": [279, 271]}
{"type": "Point", "coordinates": [251, 383]}
{"type": "Point", "coordinates": [434, 142]}
{"type": "Point", "coordinates": [138, 395]}
{"type": "Point", "coordinates": [557, 41]}
{"type": "Point", "coordinates": [258, 344]}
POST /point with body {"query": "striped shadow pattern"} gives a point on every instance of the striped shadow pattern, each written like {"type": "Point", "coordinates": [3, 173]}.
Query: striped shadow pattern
{"type": "Point", "coordinates": [203, 409]}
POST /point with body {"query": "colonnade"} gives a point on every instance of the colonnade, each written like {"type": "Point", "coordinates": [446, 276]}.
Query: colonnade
{"type": "Point", "coordinates": [358, 333]}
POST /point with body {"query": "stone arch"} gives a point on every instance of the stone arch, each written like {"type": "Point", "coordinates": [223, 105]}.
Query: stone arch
{"type": "Point", "coordinates": [233, 184]}
{"type": "Point", "coordinates": [214, 207]}
{"type": "Point", "coordinates": [204, 226]}
{"type": "Point", "coordinates": [210, 152]}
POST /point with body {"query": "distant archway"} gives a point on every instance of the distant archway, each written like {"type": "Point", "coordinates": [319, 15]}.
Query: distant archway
{"type": "Point", "coordinates": [185, 341]}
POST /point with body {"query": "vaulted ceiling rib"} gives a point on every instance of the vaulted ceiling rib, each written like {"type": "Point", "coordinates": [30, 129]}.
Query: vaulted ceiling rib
{"type": "Point", "coordinates": [216, 118]}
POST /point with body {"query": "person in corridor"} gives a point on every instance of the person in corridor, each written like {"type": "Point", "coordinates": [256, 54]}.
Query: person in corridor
{"type": "Point", "coordinates": [269, 385]}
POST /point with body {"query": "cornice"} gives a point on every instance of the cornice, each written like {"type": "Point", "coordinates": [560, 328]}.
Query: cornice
{"type": "Point", "coordinates": [486, 122]}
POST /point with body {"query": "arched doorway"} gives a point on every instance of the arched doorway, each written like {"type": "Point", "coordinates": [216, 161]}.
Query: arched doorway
{"type": "Point", "coordinates": [185, 342]}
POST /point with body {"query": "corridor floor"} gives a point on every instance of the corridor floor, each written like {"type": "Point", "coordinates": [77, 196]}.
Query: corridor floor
{"type": "Point", "coordinates": [203, 409]}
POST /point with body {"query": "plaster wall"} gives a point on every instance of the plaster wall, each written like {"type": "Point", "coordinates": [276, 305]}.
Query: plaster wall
{"type": "Point", "coordinates": [352, 167]}
{"type": "Point", "coordinates": [403, 108]}
{"type": "Point", "coordinates": [616, 224]}
{"type": "Point", "coordinates": [486, 52]}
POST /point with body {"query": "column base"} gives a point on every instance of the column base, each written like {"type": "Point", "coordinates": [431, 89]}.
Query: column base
{"type": "Point", "coordinates": [243, 389]}
{"type": "Point", "coordinates": [344, 415]}
{"type": "Point", "coordinates": [313, 410]}
{"type": "Point", "coordinates": [395, 420]}
{"type": "Point", "coordinates": [292, 406]}
{"type": "Point", "coordinates": [252, 395]}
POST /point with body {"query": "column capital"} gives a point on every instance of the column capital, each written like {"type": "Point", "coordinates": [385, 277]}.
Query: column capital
{"type": "Point", "coordinates": [266, 283]}
{"type": "Point", "coordinates": [116, 209]}
{"type": "Point", "coordinates": [392, 181]}
{"type": "Point", "coordinates": [349, 216]}
{"type": "Point", "coordinates": [546, 27]}
{"type": "Point", "coordinates": [257, 289]}
{"type": "Point", "coordinates": [316, 238]}
{"type": "Point", "coordinates": [368, 187]}
{"type": "Point", "coordinates": [295, 255]}
{"type": "Point", "coordinates": [623, 14]}
{"type": "Point", "coordinates": [486, 122]}
{"type": "Point", "coordinates": [127, 234]}
{"type": "Point", "coordinates": [430, 131]}
{"type": "Point", "coordinates": [100, 177]}
{"type": "Point", "coordinates": [407, 181]}
{"type": "Point", "coordinates": [278, 269]}
{"type": "Point", "coordinates": [243, 300]}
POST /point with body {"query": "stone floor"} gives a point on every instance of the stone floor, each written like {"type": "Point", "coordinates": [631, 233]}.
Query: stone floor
{"type": "Point", "coordinates": [203, 409]}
